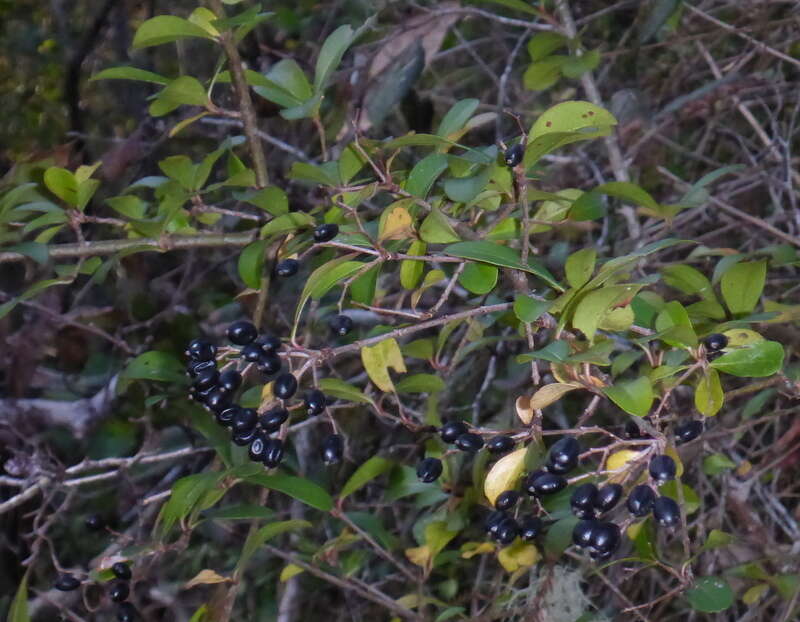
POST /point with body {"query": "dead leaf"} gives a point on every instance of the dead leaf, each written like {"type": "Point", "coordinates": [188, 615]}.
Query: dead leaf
{"type": "Point", "coordinates": [205, 577]}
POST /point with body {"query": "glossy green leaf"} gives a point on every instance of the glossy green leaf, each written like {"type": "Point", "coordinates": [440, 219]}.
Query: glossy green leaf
{"type": "Point", "coordinates": [285, 223]}
{"type": "Point", "coordinates": [129, 73]}
{"type": "Point", "coordinates": [457, 117]}
{"type": "Point", "coordinates": [420, 383]}
{"type": "Point", "coordinates": [251, 263]}
{"type": "Point", "coordinates": [579, 267]}
{"type": "Point", "coordinates": [288, 75]}
{"type": "Point", "coordinates": [710, 595]}
{"type": "Point", "coordinates": [411, 270]}
{"type": "Point", "coordinates": [372, 468]}
{"type": "Point", "coordinates": [216, 436]}
{"type": "Point", "coordinates": [543, 44]}
{"type": "Point", "coordinates": [155, 366]}
{"type": "Point", "coordinates": [632, 396]}
{"type": "Point", "coordinates": [708, 395]}
{"type": "Point", "coordinates": [186, 493]}
{"type": "Point", "coordinates": [425, 173]}
{"type": "Point", "coordinates": [436, 229]}
{"type": "Point", "coordinates": [756, 360]}
{"type": "Point", "coordinates": [742, 285]}
{"type": "Point", "coordinates": [528, 309]}
{"type": "Point", "coordinates": [687, 280]}
{"type": "Point", "coordinates": [577, 65]}
{"type": "Point", "coordinates": [330, 55]}
{"type": "Point", "coordinates": [499, 255]}
{"type": "Point", "coordinates": [271, 199]}
{"type": "Point", "coordinates": [675, 327]}
{"type": "Point", "coordinates": [166, 28]}
{"type": "Point", "coordinates": [629, 192]}
{"type": "Point", "coordinates": [596, 305]}
{"type": "Point", "coordinates": [465, 189]}
{"type": "Point", "coordinates": [300, 488]}
{"type": "Point", "coordinates": [343, 390]}
{"type": "Point", "coordinates": [478, 278]}
{"type": "Point", "coordinates": [554, 352]}
{"type": "Point", "coordinates": [257, 539]}
{"type": "Point", "coordinates": [717, 539]}
{"type": "Point", "coordinates": [716, 463]}
{"type": "Point", "coordinates": [183, 91]}
{"type": "Point", "coordinates": [541, 75]}
{"type": "Point", "coordinates": [63, 184]}
{"type": "Point", "coordinates": [559, 537]}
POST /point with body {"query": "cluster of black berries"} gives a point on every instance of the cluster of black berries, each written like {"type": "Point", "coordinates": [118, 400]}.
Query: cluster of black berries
{"type": "Point", "coordinates": [216, 390]}
{"type": "Point", "coordinates": [118, 591]}
{"type": "Point", "coordinates": [323, 233]}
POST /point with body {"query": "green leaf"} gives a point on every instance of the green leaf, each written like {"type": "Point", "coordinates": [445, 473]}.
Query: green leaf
{"type": "Point", "coordinates": [183, 91]}
{"type": "Point", "coordinates": [394, 82]}
{"type": "Point", "coordinates": [543, 74]}
{"type": "Point", "coordinates": [327, 174]}
{"type": "Point", "coordinates": [675, 327]}
{"type": "Point", "coordinates": [241, 511]}
{"type": "Point", "coordinates": [18, 612]}
{"type": "Point", "coordinates": [251, 263]}
{"type": "Point", "coordinates": [517, 5]}
{"type": "Point", "coordinates": [372, 468]}
{"type": "Point", "coordinates": [687, 280]}
{"type": "Point", "coordinates": [632, 396]}
{"type": "Point", "coordinates": [690, 499]}
{"type": "Point", "coordinates": [129, 73]}
{"type": "Point", "coordinates": [577, 65]}
{"type": "Point", "coordinates": [742, 285]}
{"type": "Point", "coordinates": [579, 267]}
{"type": "Point", "coordinates": [425, 173]}
{"type": "Point", "coordinates": [465, 189]}
{"type": "Point", "coordinates": [544, 43]}
{"type": "Point", "coordinates": [478, 278]}
{"type": "Point", "coordinates": [529, 310]}
{"type": "Point", "coordinates": [343, 391]}
{"type": "Point", "coordinates": [559, 537]}
{"type": "Point", "coordinates": [257, 539]}
{"type": "Point", "coordinates": [331, 54]}
{"type": "Point", "coordinates": [285, 223]}
{"type": "Point", "coordinates": [436, 229]}
{"type": "Point", "coordinates": [186, 493]}
{"type": "Point", "coordinates": [288, 75]}
{"type": "Point", "coordinates": [166, 28]}
{"type": "Point", "coordinates": [709, 396]}
{"type": "Point", "coordinates": [628, 192]}
{"type": "Point", "coordinates": [420, 383]}
{"type": "Point", "coordinates": [710, 595]}
{"type": "Point", "coordinates": [29, 293]}
{"type": "Point", "coordinates": [155, 366]}
{"type": "Point", "coordinates": [410, 270]}
{"type": "Point", "coordinates": [217, 437]}
{"type": "Point", "coordinates": [271, 199]}
{"type": "Point", "coordinates": [499, 255]}
{"type": "Point", "coordinates": [554, 352]}
{"type": "Point", "coordinates": [596, 305]}
{"type": "Point", "coordinates": [300, 488]}
{"type": "Point", "coordinates": [457, 117]}
{"type": "Point", "coordinates": [717, 539]}
{"type": "Point", "coordinates": [63, 184]}
{"type": "Point", "coordinates": [756, 360]}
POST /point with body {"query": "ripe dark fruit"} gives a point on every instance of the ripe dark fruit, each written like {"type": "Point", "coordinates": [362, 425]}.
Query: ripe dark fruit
{"type": "Point", "coordinates": [584, 496]}
{"type": "Point", "coordinates": [607, 497]}
{"type": "Point", "coordinates": [583, 533]}
{"type": "Point", "coordinates": [314, 401]}
{"type": "Point", "coordinates": [94, 522]}
{"type": "Point", "coordinates": [230, 380]}
{"type": "Point", "coordinates": [666, 512]}
{"type": "Point", "coordinates": [514, 155]}
{"type": "Point", "coordinates": [119, 591]}
{"type": "Point", "coordinates": [268, 363]}
{"type": "Point", "coordinates": [605, 538]}
{"type": "Point", "coordinates": [507, 530]}
{"type": "Point", "coordinates": [530, 528]}
{"type": "Point", "coordinates": [122, 571]}
{"type": "Point", "coordinates": [67, 583]}
{"type": "Point", "coordinates": [326, 232]}
{"type": "Point", "coordinates": [287, 267]}
{"type": "Point", "coordinates": [273, 452]}
{"type": "Point", "coordinates": [715, 342]}
{"type": "Point", "coordinates": [340, 325]}
{"type": "Point", "coordinates": [451, 430]}
{"type": "Point", "coordinates": [217, 400]}
{"type": "Point", "coordinates": [506, 500]}
{"type": "Point", "coordinates": [201, 350]}
{"type": "Point", "coordinates": [269, 343]}
{"type": "Point", "coordinates": [206, 379]}
{"type": "Point", "coordinates": [688, 431]}
{"type": "Point", "coordinates": [632, 430]}
{"type": "Point", "coordinates": [500, 445]}
{"type": "Point", "coordinates": [539, 484]}
{"type": "Point", "coordinates": [196, 367]}
{"type": "Point", "coordinates": [563, 455]}
{"type": "Point", "coordinates": [272, 420]}
{"type": "Point", "coordinates": [242, 332]}
{"type": "Point", "coordinates": [429, 470]}
{"type": "Point", "coordinates": [227, 416]}
{"type": "Point", "coordinates": [252, 353]}
{"type": "Point", "coordinates": [284, 386]}
{"type": "Point", "coordinates": [126, 612]}
{"type": "Point", "coordinates": [332, 449]}
{"type": "Point", "coordinates": [641, 500]}
{"type": "Point", "coordinates": [662, 468]}
{"type": "Point", "coordinates": [244, 420]}
{"type": "Point", "coordinates": [493, 521]}
{"type": "Point", "coordinates": [469, 442]}
{"type": "Point", "coordinates": [244, 438]}
{"type": "Point", "coordinates": [257, 447]}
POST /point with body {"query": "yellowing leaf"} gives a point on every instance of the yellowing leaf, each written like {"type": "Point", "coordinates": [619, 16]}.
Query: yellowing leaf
{"type": "Point", "coordinates": [395, 224]}
{"type": "Point", "coordinates": [504, 474]}
{"type": "Point", "coordinates": [633, 530]}
{"type": "Point", "coordinates": [620, 458]}
{"type": "Point", "coordinates": [518, 555]}
{"type": "Point", "coordinates": [524, 410]}
{"type": "Point", "coordinates": [205, 577]}
{"type": "Point", "coordinates": [379, 358]}
{"type": "Point", "coordinates": [551, 393]}
{"type": "Point", "coordinates": [672, 453]}
{"type": "Point", "coordinates": [471, 549]}
{"type": "Point", "coordinates": [708, 396]}
{"type": "Point", "coordinates": [755, 593]}
{"type": "Point", "coordinates": [742, 337]}
{"type": "Point", "coordinates": [420, 555]}
{"type": "Point", "coordinates": [289, 571]}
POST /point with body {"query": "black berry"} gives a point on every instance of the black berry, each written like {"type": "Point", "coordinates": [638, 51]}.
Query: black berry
{"type": "Point", "coordinates": [715, 342]}
{"type": "Point", "coordinates": [640, 501]}
{"type": "Point", "coordinates": [119, 591]}
{"type": "Point", "coordinates": [122, 571]}
{"type": "Point", "coordinates": [666, 512]}
{"type": "Point", "coordinates": [340, 325]}
{"type": "Point", "coordinates": [506, 500]}
{"type": "Point", "coordinates": [539, 484]}
{"type": "Point", "coordinates": [67, 583]}
{"type": "Point", "coordinates": [514, 155]}
{"type": "Point", "coordinates": [500, 444]}
{"type": "Point", "coordinates": [632, 430]}
{"type": "Point", "coordinates": [607, 497]}
{"type": "Point", "coordinates": [201, 350]}
{"type": "Point", "coordinates": [451, 430]}
{"type": "Point", "coordinates": [244, 420]}
{"type": "Point", "coordinates": [507, 530]}
{"type": "Point", "coordinates": [227, 416]}
{"type": "Point", "coordinates": [605, 538]}
{"type": "Point", "coordinates": [563, 455]}
{"type": "Point", "coordinates": [530, 528]}
{"type": "Point", "coordinates": [272, 420]}
{"type": "Point", "coordinates": [230, 380]}
{"type": "Point", "coordinates": [332, 449]}
{"type": "Point", "coordinates": [242, 332]}
{"type": "Point", "coordinates": [217, 400]}
{"type": "Point", "coordinates": [269, 343]}
{"type": "Point", "coordinates": [94, 522]}
{"type": "Point", "coordinates": [429, 470]}
{"type": "Point", "coordinates": [314, 401]}
{"type": "Point", "coordinates": [662, 468]}
{"type": "Point", "coordinates": [269, 363]}
{"type": "Point", "coordinates": [257, 446]}
{"type": "Point", "coordinates": [284, 386]}
{"type": "Point", "coordinates": [244, 438]}
{"type": "Point", "coordinates": [273, 452]}
{"type": "Point", "coordinates": [688, 431]}
{"type": "Point", "coordinates": [583, 500]}
{"type": "Point", "coordinates": [493, 521]}
{"type": "Point", "coordinates": [287, 267]}
{"type": "Point", "coordinates": [326, 232]}
{"type": "Point", "coordinates": [126, 612]}
{"type": "Point", "coordinates": [206, 379]}
{"type": "Point", "coordinates": [196, 367]}
{"type": "Point", "coordinates": [469, 442]}
{"type": "Point", "coordinates": [583, 533]}
{"type": "Point", "coordinates": [252, 353]}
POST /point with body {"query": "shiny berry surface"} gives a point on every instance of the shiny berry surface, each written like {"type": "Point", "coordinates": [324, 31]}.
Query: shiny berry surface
{"type": "Point", "coordinates": [243, 439]}
{"type": "Point", "coordinates": [506, 500]}
{"type": "Point", "coordinates": [429, 470]}
{"type": "Point", "coordinates": [715, 342]}
{"type": "Point", "coordinates": [287, 267]}
{"type": "Point", "coordinates": [242, 332]}
{"type": "Point", "coordinates": [507, 531]}
{"type": "Point", "coordinates": [340, 325]}
{"type": "Point", "coordinates": [67, 583]}
{"type": "Point", "coordinates": [326, 232]}
{"type": "Point", "coordinates": [257, 446]}
{"type": "Point", "coordinates": [201, 350]}
{"type": "Point", "coordinates": [583, 533]}
{"type": "Point", "coordinates": [227, 416]}
{"type": "Point", "coordinates": [584, 496]}
{"type": "Point", "coordinates": [217, 400]}
{"type": "Point", "coordinates": [252, 353]}
{"type": "Point", "coordinates": [451, 430]}
{"type": "Point", "coordinates": [545, 484]}
{"type": "Point", "coordinates": [605, 538]}
{"type": "Point", "coordinates": [268, 343]}
{"type": "Point", "coordinates": [285, 386]}
{"type": "Point", "coordinates": [273, 452]}
{"type": "Point", "coordinates": [607, 497]}
{"type": "Point", "coordinates": [500, 445]}
{"type": "Point", "coordinates": [126, 612]}
{"type": "Point", "coordinates": [119, 591]}
{"type": "Point", "coordinates": [640, 500]}
{"type": "Point", "coordinates": [268, 363]}
{"type": "Point", "coordinates": [332, 449]}
{"type": "Point", "coordinates": [666, 512]}
{"type": "Point", "coordinates": [513, 155]}
{"type": "Point", "coordinates": [662, 468]}
{"type": "Point", "coordinates": [94, 522]}
{"type": "Point", "coordinates": [273, 419]}
{"type": "Point", "coordinates": [244, 420]}
{"type": "Point", "coordinates": [688, 431]}
{"type": "Point", "coordinates": [530, 528]}
{"type": "Point", "coordinates": [469, 442]}
{"type": "Point", "coordinates": [563, 455]}
{"type": "Point", "coordinates": [230, 380]}
{"type": "Point", "coordinates": [206, 379]}
{"type": "Point", "coordinates": [122, 571]}
{"type": "Point", "coordinates": [314, 401]}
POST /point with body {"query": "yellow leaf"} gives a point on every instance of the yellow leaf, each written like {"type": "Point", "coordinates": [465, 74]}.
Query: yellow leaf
{"type": "Point", "coordinates": [524, 410]}
{"type": "Point", "coordinates": [289, 571]}
{"type": "Point", "coordinates": [743, 470]}
{"type": "Point", "coordinates": [678, 463]}
{"type": "Point", "coordinates": [504, 474]}
{"type": "Point", "coordinates": [420, 555]}
{"type": "Point", "coordinates": [409, 601]}
{"type": "Point", "coordinates": [518, 555]}
{"type": "Point", "coordinates": [620, 458]}
{"type": "Point", "coordinates": [633, 530]}
{"type": "Point", "coordinates": [204, 577]}
{"type": "Point", "coordinates": [551, 393]}
{"type": "Point", "coordinates": [742, 337]}
{"type": "Point", "coordinates": [395, 224]}
{"type": "Point", "coordinates": [755, 593]}
{"type": "Point", "coordinates": [379, 358]}
{"type": "Point", "coordinates": [266, 393]}
{"type": "Point", "coordinates": [471, 549]}
{"type": "Point", "coordinates": [618, 319]}
{"type": "Point", "coordinates": [709, 396]}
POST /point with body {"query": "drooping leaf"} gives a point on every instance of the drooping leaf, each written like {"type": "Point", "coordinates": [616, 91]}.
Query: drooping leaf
{"type": "Point", "coordinates": [499, 255]}
{"type": "Point", "coordinates": [579, 267]}
{"type": "Point", "coordinates": [420, 383]}
{"type": "Point", "coordinates": [372, 468]}
{"type": "Point", "coordinates": [436, 229]}
{"type": "Point", "coordinates": [551, 393]}
{"type": "Point", "coordinates": [457, 117]}
{"type": "Point", "coordinates": [251, 263]}
{"type": "Point", "coordinates": [330, 55]}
